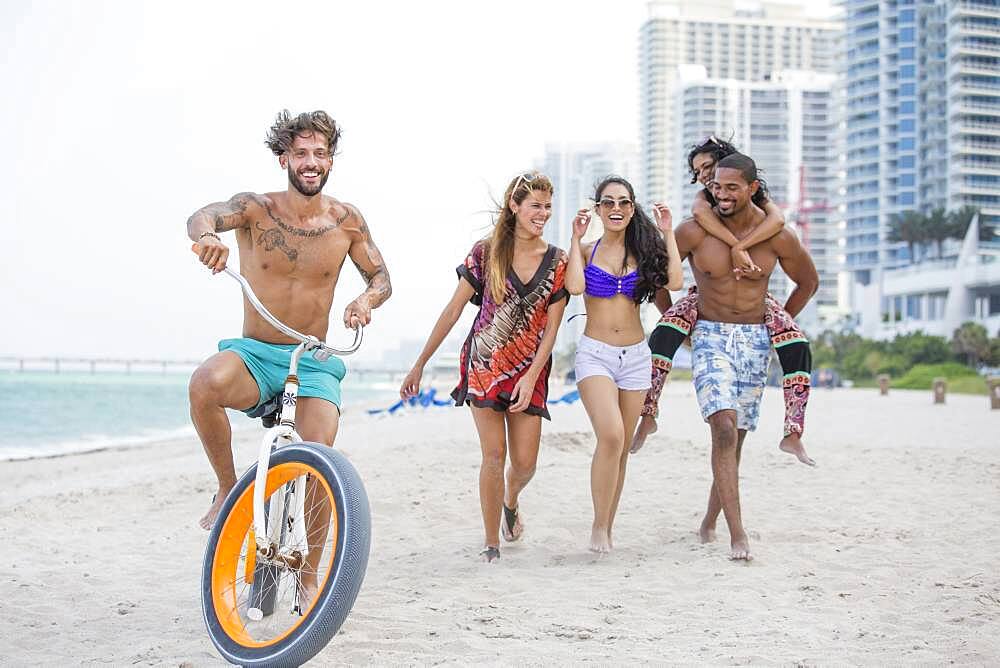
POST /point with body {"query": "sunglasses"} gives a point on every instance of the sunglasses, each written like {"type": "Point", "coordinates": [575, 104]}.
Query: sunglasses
{"type": "Point", "coordinates": [609, 204]}
{"type": "Point", "coordinates": [525, 177]}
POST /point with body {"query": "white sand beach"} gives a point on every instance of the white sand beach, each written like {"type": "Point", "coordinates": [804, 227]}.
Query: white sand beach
{"type": "Point", "coordinates": [887, 553]}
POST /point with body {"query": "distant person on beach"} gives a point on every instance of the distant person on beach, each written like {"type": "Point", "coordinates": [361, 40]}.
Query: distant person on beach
{"type": "Point", "coordinates": [731, 345]}
{"type": "Point", "coordinates": [516, 280]}
{"type": "Point", "coordinates": [292, 246]}
{"type": "Point", "coordinates": [633, 262]}
{"type": "Point", "coordinates": [786, 336]}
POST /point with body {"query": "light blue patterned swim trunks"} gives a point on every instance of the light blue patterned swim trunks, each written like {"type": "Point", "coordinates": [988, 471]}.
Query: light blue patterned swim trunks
{"type": "Point", "coordinates": [729, 366]}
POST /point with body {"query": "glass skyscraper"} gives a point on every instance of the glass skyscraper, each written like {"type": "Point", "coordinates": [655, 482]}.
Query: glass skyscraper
{"type": "Point", "coordinates": [923, 118]}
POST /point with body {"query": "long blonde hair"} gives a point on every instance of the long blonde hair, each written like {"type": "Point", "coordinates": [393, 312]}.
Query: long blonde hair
{"type": "Point", "coordinates": [500, 247]}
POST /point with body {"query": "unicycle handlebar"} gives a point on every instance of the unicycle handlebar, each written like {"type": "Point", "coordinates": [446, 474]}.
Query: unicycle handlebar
{"type": "Point", "coordinates": [311, 341]}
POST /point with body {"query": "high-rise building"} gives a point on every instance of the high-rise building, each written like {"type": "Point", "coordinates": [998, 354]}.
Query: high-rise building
{"type": "Point", "coordinates": [789, 125]}
{"type": "Point", "coordinates": [923, 133]}
{"type": "Point", "coordinates": [923, 124]}
{"type": "Point", "coordinates": [959, 104]}
{"type": "Point", "coordinates": [575, 170]}
{"type": "Point", "coordinates": [730, 42]}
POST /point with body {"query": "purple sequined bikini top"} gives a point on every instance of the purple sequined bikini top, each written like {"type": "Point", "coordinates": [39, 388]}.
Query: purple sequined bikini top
{"type": "Point", "coordinates": [600, 283]}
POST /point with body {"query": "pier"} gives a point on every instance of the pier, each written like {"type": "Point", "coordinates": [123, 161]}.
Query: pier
{"type": "Point", "coordinates": [95, 365]}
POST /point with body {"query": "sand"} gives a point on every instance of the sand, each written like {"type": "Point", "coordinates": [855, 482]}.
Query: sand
{"type": "Point", "coordinates": [884, 554]}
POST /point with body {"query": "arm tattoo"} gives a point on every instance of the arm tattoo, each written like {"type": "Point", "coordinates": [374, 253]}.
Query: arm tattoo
{"type": "Point", "coordinates": [379, 286]}
{"type": "Point", "coordinates": [225, 216]}
{"type": "Point", "coordinates": [298, 231]}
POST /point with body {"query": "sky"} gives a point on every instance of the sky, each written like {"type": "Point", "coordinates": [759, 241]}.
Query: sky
{"type": "Point", "coordinates": [122, 118]}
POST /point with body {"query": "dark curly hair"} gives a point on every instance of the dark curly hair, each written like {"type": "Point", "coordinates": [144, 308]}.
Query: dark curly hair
{"type": "Point", "coordinates": [719, 149]}
{"type": "Point", "coordinates": [287, 127]}
{"type": "Point", "coordinates": [644, 242]}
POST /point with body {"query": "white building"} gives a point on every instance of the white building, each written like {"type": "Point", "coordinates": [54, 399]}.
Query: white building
{"type": "Point", "coordinates": [575, 170]}
{"type": "Point", "coordinates": [923, 122]}
{"type": "Point", "coordinates": [935, 296]}
{"type": "Point", "coordinates": [789, 124]}
{"type": "Point", "coordinates": [730, 43]}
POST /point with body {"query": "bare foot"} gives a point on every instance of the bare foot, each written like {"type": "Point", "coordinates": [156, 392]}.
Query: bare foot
{"type": "Point", "coordinates": [647, 427]}
{"type": "Point", "coordinates": [707, 533]}
{"type": "Point", "coordinates": [792, 444]}
{"type": "Point", "coordinates": [208, 519]}
{"type": "Point", "coordinates": [740, 549]}
{"type": "Point", "coordinates": [600, 542]}
{"type": "Point", "coordinates": [490, 554]}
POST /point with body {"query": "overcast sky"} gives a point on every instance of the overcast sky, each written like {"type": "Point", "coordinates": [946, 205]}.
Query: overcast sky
{"type": "Point", "coordinates": [122, 118]}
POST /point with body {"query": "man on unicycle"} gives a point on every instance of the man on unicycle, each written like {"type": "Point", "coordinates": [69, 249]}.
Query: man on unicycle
{"type": "Point", "coordinates": [292, 245]}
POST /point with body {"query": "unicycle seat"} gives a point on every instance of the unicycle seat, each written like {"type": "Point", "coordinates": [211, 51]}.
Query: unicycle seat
{"type": "Point", "coordinates": [267, 411]}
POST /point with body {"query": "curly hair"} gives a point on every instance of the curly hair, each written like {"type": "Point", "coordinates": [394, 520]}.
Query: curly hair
{"type": "Point", "coordinates": [287, 127]}
{"type": "Point", "coordinates": [643, 242]}
{"type": "Point", "coordinates": [720, 149]}
{"type": "Point", "coordinates": [717, 148]}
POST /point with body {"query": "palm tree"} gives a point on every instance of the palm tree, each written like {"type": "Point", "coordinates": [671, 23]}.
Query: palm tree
{"type": "Point", "coordinates": [909, 228]}
{"type": "Point", "coordinates": [938, 227]}
{"type": "Point", "coordinates": [973, 341]}
{"type": "Point", "coordinates": [959, 221]}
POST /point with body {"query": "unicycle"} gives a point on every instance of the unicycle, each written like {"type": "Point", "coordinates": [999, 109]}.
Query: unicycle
{"type": "Point", "coordinates": [288, 552]}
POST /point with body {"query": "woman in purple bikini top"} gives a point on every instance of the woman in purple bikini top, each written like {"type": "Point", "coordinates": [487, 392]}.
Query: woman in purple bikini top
{"type": "Point", "coordinates": [613, 363]}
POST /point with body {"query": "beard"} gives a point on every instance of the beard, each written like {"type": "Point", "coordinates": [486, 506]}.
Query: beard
{"type": "Point", "coordinates": [304, 189]}
{"type": "Point", "coordinates": [736, 208]}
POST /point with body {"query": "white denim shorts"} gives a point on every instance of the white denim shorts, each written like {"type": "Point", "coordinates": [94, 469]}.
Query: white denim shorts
{"type": "Point", "coordinates": [630, 367]}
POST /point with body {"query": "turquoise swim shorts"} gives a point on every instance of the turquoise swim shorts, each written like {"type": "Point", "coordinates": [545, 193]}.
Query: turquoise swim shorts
{"type": "Point", "coordinates": [268, 364]}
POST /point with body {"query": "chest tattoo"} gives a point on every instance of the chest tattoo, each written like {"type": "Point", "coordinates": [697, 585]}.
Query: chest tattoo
{"type": "Point", "coordinates": [273, 239]}
{"type": "Point", "coordinates": [299, 232]}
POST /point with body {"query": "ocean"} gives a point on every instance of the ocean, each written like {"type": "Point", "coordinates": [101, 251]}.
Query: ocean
{"type": "Point", "coordinates": [48, 414]}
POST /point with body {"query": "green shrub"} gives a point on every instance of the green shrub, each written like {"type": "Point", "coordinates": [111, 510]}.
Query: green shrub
{"type": "Point", "coordinates": [922, 376]}
{"type": "Point", "coordinates": [919, 348]}
{"type": "Point", "coordinates": [968, 385]}
{"type": "Point", "coordinates": [894, 365]}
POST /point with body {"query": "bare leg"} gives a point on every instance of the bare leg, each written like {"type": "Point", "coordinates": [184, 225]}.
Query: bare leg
{"type": "Point", "coordinates": [630, 404]}
{"type": "Point", "coordinates": [524, 432]}
{"type": "Point", "coordinates": [725, 471]}
{"type": "Point", "coordinates": [317, 420]}
{"type": "Point", "coordinates": [493, 442]}
{"type": "Point", "coordinates": [707, 529]}
{"type": "Point", "coordinates": [600, 398]}
{"type": "Point", "coordinates": [221, 382]}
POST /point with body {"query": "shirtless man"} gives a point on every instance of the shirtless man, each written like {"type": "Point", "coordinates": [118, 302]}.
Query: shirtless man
{"type": "Point", "coordinates": [292, 246]}
{"type": "Point", "coordinates": [731, 346]}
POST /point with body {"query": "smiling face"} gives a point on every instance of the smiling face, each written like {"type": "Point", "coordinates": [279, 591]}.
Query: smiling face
{"type": "Point", "coordinates": [532, 213]}
{"type": "Point", "coordinates": [731, 191]}
{"type": "Point", "coordinates": [615, 207]}
{"type": "Point", "coordinates": [308, 162]}
{"type": "Point", "coordinates": [703, 167]}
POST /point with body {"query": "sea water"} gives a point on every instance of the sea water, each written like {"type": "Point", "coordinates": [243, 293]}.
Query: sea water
{"type": "Point", "coordinates": [46, 413]}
